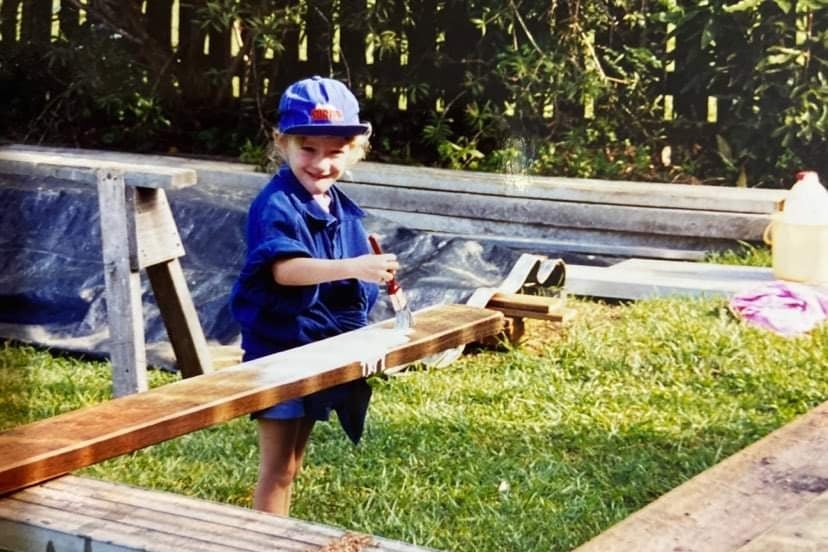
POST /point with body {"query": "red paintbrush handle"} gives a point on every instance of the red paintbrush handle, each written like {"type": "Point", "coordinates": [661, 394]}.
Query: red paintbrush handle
{"type": "Point", "coordinates": [372, 239]}
{"type": "Point", "coordinates": [392, 286]}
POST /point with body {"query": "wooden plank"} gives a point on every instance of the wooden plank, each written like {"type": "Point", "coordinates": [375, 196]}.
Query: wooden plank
{"type": "Point", "coordinates": [646, 278]}
{"type": "Point", "coordinates": [585, 190]}
{"type": "Point", "coordinates": [625, 218]}
{"type": "Point", "coordinates": [561, 315]}
{"type": "Point", "coordinates": [521, 301]}
{"type": "Point", "coordinates": [185, 527]}
{"type": "Point", "coordinates": [518, 305]}
{"type": "Point", "coordinates": [180, 318]}
{"type": "Point", "coordinates": [129, 518]}
{"type": "Point", "coordinates": [43, 528]}
{"type": "Point", "coordinates": [549, 235]}
{"type": "Point", "coordinates": [84, 169]}
{"type": "Point", "coordinates": [45, 449]}
{"type": "Point", "coordinates": [735, 501]}
{"type": "Point", "coordinates": [123, 286]}
{"type": "Point", "coordinates": [543, 238]}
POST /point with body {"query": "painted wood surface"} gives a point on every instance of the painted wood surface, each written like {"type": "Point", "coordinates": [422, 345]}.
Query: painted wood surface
{"type": "Point", "coordinates": [51, 447]}
{"type": "Point", "coordinates": [750, 496]}
{"type": "Point", "coordinates": [74, 513]}
{"type": "Point", "coordinates": [646, 278]}
{"type": "Point", "coordinates": [48, 164]}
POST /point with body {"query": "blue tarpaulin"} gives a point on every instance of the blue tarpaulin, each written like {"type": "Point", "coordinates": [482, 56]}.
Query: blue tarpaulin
{"type": "Point", "coordinates": [51, 271]}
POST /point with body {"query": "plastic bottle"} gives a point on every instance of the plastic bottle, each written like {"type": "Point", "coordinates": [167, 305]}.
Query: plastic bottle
{"type": "Point", "coordinates": [807, 201]}
{"type": "Point", "coordinates": [799, 234]}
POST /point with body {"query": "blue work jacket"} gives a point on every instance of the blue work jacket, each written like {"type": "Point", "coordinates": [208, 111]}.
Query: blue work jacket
{"type": "Point", "coordinates": [285, 221]}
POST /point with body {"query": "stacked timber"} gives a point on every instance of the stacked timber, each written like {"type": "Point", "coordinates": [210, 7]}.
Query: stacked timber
{"type": "Point", "coordinates": [541, 214]}
{"type": "Point", "coordinates": [548, 214]}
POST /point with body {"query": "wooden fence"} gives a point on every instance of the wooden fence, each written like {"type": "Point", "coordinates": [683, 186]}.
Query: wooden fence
{"type": "Point", "coordinates": [576, 87]}
{"type": "Point", "coordinates": [436, 41]}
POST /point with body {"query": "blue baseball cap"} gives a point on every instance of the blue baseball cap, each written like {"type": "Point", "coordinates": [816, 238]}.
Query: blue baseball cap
{"type": "Point", "coordinates": [320, 107]}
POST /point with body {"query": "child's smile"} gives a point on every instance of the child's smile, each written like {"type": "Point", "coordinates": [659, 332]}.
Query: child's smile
{"type": "Point", "coordinates": [318, 161]}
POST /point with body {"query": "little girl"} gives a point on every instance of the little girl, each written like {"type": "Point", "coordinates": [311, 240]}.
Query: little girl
{"type": "Point", "coordinates": [309, 272]}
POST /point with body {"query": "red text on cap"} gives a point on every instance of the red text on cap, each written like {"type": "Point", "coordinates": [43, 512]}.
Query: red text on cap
{"type": "Point", "coordinates": [325, 113]}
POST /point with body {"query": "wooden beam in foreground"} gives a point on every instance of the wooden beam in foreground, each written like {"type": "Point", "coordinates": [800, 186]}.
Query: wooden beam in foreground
{"type": "Point", "coordinates": [74, 513]}
{"type": "Point", "coordinates": [752, 501]}
{"type": "Point", "coordinates": [42, 450]}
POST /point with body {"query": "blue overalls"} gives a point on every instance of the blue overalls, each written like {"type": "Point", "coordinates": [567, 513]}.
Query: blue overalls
{"type": "Point", "coordinates": [285, 221]}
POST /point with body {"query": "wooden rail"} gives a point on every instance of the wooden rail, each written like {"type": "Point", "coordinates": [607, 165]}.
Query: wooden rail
{"type": "Point", "coordinates": [48, 448]}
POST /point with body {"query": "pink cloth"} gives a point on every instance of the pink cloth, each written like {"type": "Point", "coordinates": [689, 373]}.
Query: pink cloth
{"type": "Point", "coordinates": [786, 308]}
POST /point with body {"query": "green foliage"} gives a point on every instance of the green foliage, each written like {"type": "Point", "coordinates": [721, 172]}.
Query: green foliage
{"type": "Point", "coordinates": [539, 447]}
{"type": "Point", "coordinates": [93, 77]}
{"type": "Point", "coordinates": [773, 118]}
{"type": "Point", "coordinates": [560, 88]}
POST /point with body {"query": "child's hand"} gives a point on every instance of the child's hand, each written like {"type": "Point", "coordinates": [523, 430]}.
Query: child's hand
{"type": "Point", "coordinates": [375, 268]}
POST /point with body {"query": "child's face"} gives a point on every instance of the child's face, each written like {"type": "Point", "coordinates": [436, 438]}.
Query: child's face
{"type": "Point", "coordinates": [317, 161]}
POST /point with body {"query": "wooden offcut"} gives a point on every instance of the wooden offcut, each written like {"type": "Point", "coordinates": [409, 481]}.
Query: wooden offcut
{"type": "Point", "coordinates": [48, 448]}
{"type": "Point", "coordinates": [750, 502]}
{"type": "Point", "coordinates": [75, 513]}
{"type": "Point", "coordinates": [519, 305]}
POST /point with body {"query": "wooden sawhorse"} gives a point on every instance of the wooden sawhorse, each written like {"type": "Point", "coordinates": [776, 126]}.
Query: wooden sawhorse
{"type": "Point", "coordinates": [137, 232]}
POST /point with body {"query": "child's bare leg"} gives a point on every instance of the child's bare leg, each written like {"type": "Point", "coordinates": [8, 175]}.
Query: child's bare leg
{"type": "Point", "coordinates": [282, 448]}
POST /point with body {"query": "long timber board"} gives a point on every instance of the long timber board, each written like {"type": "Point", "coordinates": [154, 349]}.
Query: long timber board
{"type": "Point", "coordinates": [42, 450]}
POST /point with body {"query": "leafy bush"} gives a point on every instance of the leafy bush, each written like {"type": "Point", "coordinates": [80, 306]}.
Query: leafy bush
{"type": "Point", "coordinates": [577, 88]}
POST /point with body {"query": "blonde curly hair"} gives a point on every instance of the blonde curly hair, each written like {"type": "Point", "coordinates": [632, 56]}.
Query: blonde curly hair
{"type": "Point", "coordinates": [359, 146]}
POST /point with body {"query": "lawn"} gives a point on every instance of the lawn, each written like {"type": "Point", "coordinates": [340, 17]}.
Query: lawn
{"type": "Point", "coordinates": [538, 447]}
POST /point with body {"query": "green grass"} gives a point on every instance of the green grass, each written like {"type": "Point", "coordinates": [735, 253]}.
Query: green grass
{"type": "Point", "coordinates": [745, 255]}
{"type": "Point", "coordinates": [538, 447]}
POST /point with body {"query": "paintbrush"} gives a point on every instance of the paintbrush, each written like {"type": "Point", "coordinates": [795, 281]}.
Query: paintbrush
{"type": "Point", "coordinates": [403, 318]}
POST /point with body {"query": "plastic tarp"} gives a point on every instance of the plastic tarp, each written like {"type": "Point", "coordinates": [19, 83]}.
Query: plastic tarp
{"type": "Point", "coordinates": [51, 272]}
